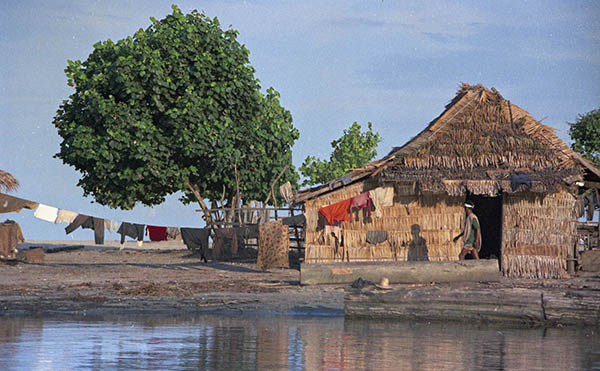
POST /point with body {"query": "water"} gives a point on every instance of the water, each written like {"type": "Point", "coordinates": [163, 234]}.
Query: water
{"type": "Point", "coordinates": [278, 342]}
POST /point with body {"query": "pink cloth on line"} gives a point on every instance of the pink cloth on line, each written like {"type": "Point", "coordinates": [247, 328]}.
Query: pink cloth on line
{"type": "Point", "coordinates": [361, 201]}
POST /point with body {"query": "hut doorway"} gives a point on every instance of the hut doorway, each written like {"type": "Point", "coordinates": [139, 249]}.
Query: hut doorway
{"type": "Point", "coordinates": [489, 213]}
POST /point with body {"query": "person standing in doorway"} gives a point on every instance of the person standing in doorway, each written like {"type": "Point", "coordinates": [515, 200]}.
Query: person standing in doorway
{"type": "Point", "coordinates": [471, 233]}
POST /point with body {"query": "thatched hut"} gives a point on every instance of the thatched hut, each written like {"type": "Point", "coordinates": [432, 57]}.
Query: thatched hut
{"type": "Point", "coordinates": [7, 182]}
{"type": "Point", "coordinates": [472, 150]}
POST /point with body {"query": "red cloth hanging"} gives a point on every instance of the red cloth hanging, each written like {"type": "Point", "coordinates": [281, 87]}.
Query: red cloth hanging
{"type": "Point", "coordinates": [336, 212]}
{"type": "Point", "coordinates": [157, 233]}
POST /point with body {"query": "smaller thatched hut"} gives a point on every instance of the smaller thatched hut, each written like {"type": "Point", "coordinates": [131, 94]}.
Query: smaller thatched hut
{"type": "Point", "coordinates": [10, 233]}
{"type": "Point", "coordinates": [7, 182]}
{"type": "Point", "coordinates": [475, 149]}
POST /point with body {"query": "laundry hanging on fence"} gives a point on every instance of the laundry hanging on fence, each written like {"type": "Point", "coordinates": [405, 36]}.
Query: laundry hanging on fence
{"type": "Point", "coordinates": [131, 230]}
{"type": "Point", "coordinates": [65, 216]}
{"type": "Point", "coordinates": [336, 212]}
{"type": "Point", "coordinates": [196, 239]}
{"type": "Point", "coordinates": [273, 245]}
{"type": "Point", "coordinates": [156, 233]}
{"type": "Point", "coordinates": [111, 225]}
{"type": "Point", "coordinates": [173, 233]}
{"type": "Point", "coordinates": [47, 213]}
{"type": "Point", "coordinates": [9, 204]}
{"type": "Point", "coordinates": [89, 222]}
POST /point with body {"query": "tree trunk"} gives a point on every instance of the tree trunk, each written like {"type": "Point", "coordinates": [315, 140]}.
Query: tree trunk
{"type": "Point", "coordinates": [196, 191]}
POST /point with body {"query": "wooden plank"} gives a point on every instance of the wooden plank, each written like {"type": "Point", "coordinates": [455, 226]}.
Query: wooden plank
{"type": "Point", "coordinates": [401, 272]}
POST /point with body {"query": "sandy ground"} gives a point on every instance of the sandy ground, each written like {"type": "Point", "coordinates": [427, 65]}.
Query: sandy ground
{"type": "Point", "coordinates": [167, 278]}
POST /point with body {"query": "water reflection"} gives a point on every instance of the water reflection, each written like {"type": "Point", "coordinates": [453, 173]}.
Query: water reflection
{"type": "Point", "coordinates": [279, 342]}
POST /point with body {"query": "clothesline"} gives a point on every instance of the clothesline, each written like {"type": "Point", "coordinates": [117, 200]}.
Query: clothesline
{"type": "Point", "coordinates": [99, 225]}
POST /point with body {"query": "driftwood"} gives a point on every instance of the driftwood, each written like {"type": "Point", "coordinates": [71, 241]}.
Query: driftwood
{"type": "Point", "coordinates": [513, 305]}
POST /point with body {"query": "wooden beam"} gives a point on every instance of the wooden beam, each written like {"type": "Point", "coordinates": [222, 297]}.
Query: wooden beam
{"type": "Point", "coordinates": [591, 184]}
{"type": "Point", "coordinates": [400, 272]}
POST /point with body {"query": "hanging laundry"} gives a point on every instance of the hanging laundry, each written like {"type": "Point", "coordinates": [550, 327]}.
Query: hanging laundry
{"type": "Point", "coordinates": [294, 220]}
{"type": "Point", "coordinates": [381, 197]}
{"type": "Point", "coordinates": [251, 231]}
{"type": "Point", "coordinates": [336, 212]}
{"type": "Point", "coordinates": [519, 178]}
{"type": "Point", "coordinates": [375, 237]}
{"type": "Point", "coordinates": [196, 239]}
{"type": "Point", "coordinates": [590, 202]}
{"type": "Point", "coordinates": [9, 204]}
{"type": "Point", "coordinates": [225, 243]}
{"type": "Point", "coordinates": [65, 216]}
{"type": "Point", "coordinates": [157, 233]}
{"type": "Point", "coordinates": [98, 227]}
{"type": "Point", "coordinates": [47, 213]}
{"type": "Point", "coordinates": [132, 230]}
{"type": "Point", "coordinates": [360, 202]}
{"type": "Point", "coordinates": [286, 192]}
{"type": "Point", "coordinates": [173, 233]}
{"type": "Point", "coordinates": [88, 222]}
{"type": "Point", "coordinates": [10, 237]}
{"type": "Point", "coordinates": [111, 225]}
{"type": "Point", "coordinates": [345, 180]}
{"type": "Point", "coordinates": [241, 233]}
{"type": "Point", "coordinates": [579, 207]}
{"type": "Point", "coordinates": [273, 245]}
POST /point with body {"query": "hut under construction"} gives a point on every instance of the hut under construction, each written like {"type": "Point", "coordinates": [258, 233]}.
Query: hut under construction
{"type": "Point", "coordinates": [525, 182]}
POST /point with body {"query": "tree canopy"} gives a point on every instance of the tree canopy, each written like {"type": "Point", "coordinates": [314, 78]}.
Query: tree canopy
{"type": "Point", "coordinates": [585, 133]}
{"type": "Point", "coordinates": [352, 150]}
{"type": "Point", "coordinates": [175, 107]}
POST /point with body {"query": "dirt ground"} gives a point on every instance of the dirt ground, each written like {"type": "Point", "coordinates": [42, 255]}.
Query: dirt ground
{"type": "Point", "coordinates": [156, 277]}
{"type": "Point", "coordinates": [167, 278]}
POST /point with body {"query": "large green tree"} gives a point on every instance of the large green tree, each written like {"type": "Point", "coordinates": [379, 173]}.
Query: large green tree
{"type": "Point", "coordinates": [175, 107]}
{"type": "Point", "coordinates": [585, 133]}
{"type": "Point", "coordinates": [352, 150]}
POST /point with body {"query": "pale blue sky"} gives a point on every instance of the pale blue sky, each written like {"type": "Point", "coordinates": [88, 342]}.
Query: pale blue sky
{"type": "Point", "coordinates": [394, 63]}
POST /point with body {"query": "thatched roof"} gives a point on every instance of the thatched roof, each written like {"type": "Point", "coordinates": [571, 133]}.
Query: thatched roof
{"type": "Point", "coordinates": [475, 145]}
{"type": "Point", "coordinates": [7, 182]}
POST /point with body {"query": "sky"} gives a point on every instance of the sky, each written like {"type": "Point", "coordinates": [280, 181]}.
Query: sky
{"type": "Point", "coordinates": [393, 63]}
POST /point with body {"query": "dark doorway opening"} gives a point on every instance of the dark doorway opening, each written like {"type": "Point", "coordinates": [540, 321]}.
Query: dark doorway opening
{"type": "Point", "coordinates": [489, 212]}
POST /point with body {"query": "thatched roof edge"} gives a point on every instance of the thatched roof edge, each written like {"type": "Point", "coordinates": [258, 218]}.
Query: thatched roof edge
{"type": "Point", "coordinates": [564, 163]}
{"type": "Point", "coordinates": [8, 182]}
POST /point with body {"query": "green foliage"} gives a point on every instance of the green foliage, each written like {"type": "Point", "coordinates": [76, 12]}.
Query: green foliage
{"type": "Point", "coordinates": [354, 149]}
{"type": "Point", "coordinates": [176, 103]}
{"type": "Point", "coordinates": [585, 133]}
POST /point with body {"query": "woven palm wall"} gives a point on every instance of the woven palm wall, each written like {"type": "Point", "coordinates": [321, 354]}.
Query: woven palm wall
{"type": "Point", "coordinates": [537, 231]}
{"type": "Point", "coordinates": [419, 227]}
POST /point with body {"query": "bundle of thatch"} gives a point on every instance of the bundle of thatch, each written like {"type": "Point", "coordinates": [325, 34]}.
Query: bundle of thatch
{"type": "Point", "coordinates": [7, 182]}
